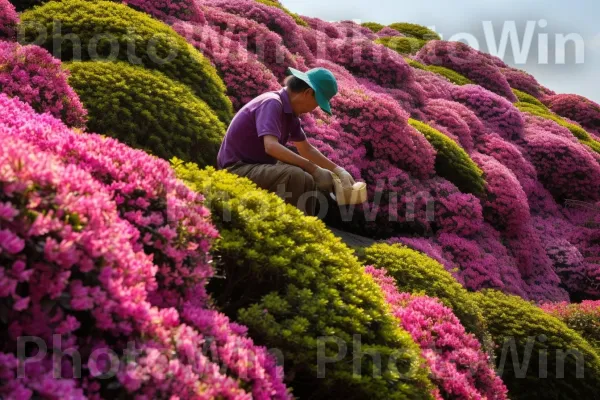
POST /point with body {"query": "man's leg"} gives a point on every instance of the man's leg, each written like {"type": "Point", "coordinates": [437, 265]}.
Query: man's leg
{"type": "Point", "coordinates": [281, 178]}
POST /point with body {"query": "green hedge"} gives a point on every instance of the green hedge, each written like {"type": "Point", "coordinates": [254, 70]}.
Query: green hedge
{"type": "Point", "coordinates": [125, 28]}
{"type": "Point", "coordinates": [449, 74]}
{"type": "Point", "coordinates": [147, 110]}
{"type": "Point", "coordinates": [415, 30]}
{"type": "Point", "coordinates": [414, 64]}
{"type": "Point", "coordinates": [373, 26]}
{"type": "Point", "coordinates": [290, 280]}
{"type": "Point", "coordinates": [452, 161]}
{"type": "Point", "coordinates": [577, 131]}
{"type": "Point", "coordinates": [415, 272]}
{"type": "Point", "coordinates": [402, 45]}
{"type": "Point", "coordinates": [531, 331]}
{"type": "Point", "coordinates": [276, 4]}
{"type": "Point", "coordinates": [527, 98]}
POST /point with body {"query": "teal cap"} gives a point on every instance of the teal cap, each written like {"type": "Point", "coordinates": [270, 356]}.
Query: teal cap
{"type": "Point", "coordinates": [320, 80]}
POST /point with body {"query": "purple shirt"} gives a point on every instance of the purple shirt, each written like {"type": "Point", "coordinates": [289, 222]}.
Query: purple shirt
{"type": "Point", "coordinates": [267, 114]}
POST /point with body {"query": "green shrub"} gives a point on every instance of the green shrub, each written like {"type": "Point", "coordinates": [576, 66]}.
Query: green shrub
{"type": "Point", "coordinates": [414, 63]}
{"type": "Point", "coordinates": [147, 110]}
{"type": "Point", "coordinates": [415, 30]}
{"type": "Point", "coordinates": [583, 318]}
{"type": "Point", "coordinates": [415, 272]}
{"type": "Point", "coordinates": [118, 27]}
{"type": "Point", "coordinates": [373, 26]}
{"type": "Point", "coordinates": [290, 280]}
{"type": "Point", "coordinates": [449, 74]}
{"type": "Point", "coordinates": [402, 45]}
{"type": "Point", "coordinates": [577, 131]}
{"type": "Point", "coordinates": [276, 4]}
{"type": "Point", "coordinates": [452, 161]}
{"type": "Point", "coordinates": [514, 322]}
{"type": "Point", "coordinates": [527, 98]}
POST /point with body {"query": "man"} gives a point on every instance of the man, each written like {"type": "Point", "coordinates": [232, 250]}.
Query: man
{"type": "Point", "coordinates": [254, 145]}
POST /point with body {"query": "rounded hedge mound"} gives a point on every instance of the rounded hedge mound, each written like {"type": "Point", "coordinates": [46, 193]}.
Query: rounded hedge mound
{"type": "Point", "coordinates": [8, 20]}
{"type": "Point", "coordinates": [147, 110]}
{"type": "Point", "coordinates": [415, 30]}
{"type": "Point", "coordinates": [415, 272]}
{"type": "Point", "coordinates": [402, 45]}
{"type": "Point", "coordinates": [527, 98]}
{"type": "Point", "coordinates": [374, 26]}
{"type": "Point", "coordinates": [110, 31]}
{"type": "Point", "coordinates": [521, 329]}
{"type": "Point", "coordinates": [291, 281]}
{"type": "Point", "coordinates": [447, 73]}
{"type": "Point", "coordinates": [452, 161]}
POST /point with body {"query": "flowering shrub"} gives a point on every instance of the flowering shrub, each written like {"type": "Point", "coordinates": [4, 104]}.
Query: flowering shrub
{"type": "Point", "coordinates": [456, 119]}
{"type": "Point", "coordinates": [389, 32]}
{"type": "Point", "coordinates": [433, 85]}
{"type": "Point", "coordinates": [467, 61]}
{"type": "Point", "coordinates": [169, 10]}
{"type": "Point", "coordinates": [414, 30]}
{"type": "Point", "coordinates": [34, 76]}
{"type": "Point", "coordinates": [583, 318]}
{"type": "Point", "coordinates": [517, 324]}
{"type": "Point", "coordinates": [410, 97]}
{"type": "Point", "coordinates": [242, 73]}
{"type": "Point", "coordinates": [257, 38]}
{"type": "Point", "coordinates": [298, 283]}
{"type": "Point", "coordinates": [505, 205]}
{"type": "Point", "coordinates": [565, 168]}
{"type": "Point", "coordinates": [277, 4]}
{"type": "Point", "coordinates": [457, 363]}
{"type": "Point", "coordinates": [350, 29]}
{"type": "Point", "coordinates": [328, 28]}
{"type": "Point", "coordinates": [415, 273]}
{"type": "Point", "coordinates": [495, 112]}
{"type": "Point", "coordinates": [402, 45]}
{"type": "Point", "coordinates": [271, 17]}
{"type": "Point", "coordinates": [147, 110]}
{"type": "Point", "coordinates": [373, 61]}
{"type": "Point", "coordinates": [522, 81]}
{"type": "Point", "coordinates": [89, 19]}
{"type": "Point", "coordinates": [79, 276]}
{"type": "Point", "coordinates": [451, 161]}
{"type": "Point", "coordinates": [452, 76]}
{"type": "Point", "coordinates": [8, 20]}
{"type": "Point", "coordinates": [576, 108]}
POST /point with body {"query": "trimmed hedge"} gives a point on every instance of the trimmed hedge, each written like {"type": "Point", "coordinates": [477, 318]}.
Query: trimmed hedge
{"type": "Point", "coordinates": [290, 280]}
{"type": "Point", "coordinates": [544, 112]}
{"type": "Point", "coordinates": [414, 63]}
{"type": "Point", "coordinates": [373, 26]}
{"type": "Point", "coordinates": [402, 45]}
{"type": "Point", "coordinates": [449, 74]}
{"type": "Point", "coordinates": [415, 30]}
{"type": "Point", "coordinates": [527, 98]}
{"type": "Point", "coordinates": [147, 110]}
{"type": "Point", "coordinates": [415, 272]}
{"type": "Point", "coordinates": [154, 43]}
{"type": "Point", "coordinates": [277, 4]}
{"type": "Point", "coordinates": [541, 337]}
{"type": "Point", "coordinates": [583, 318]}
{"type": "Point", "coordinates": [452, 161]}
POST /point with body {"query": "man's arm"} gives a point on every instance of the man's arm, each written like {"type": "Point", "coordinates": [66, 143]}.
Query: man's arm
{"type": "Point", "coordinates": [311, 153]}
{"type": "Point", "coordinates": [283, 154]}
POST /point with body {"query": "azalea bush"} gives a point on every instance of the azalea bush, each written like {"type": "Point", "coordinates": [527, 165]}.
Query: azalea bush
{"type": "Point", "coordinates": [147, 110]}
{"type": "Point", "coordinates": [517, 324]}
{"type": "Point", "coordinates": [522, 81]}
{"type": "Point", "coordinates": [243, 74]}
{"type": "Point", "coordinates": [290, 281]}
{"type": "Point", "coordinates": [169, 10]}
{"type": "Point", "coordinates": [277, 4]}
{"type": "Point", "coordinates": [157, 46]}
{"type": "Point", "coordinates": [467, 61]}
{"type": "Point", "coordinates": [34, 76]}
{"type": "Point", "coordinates": [576, 108]}
{"type": "Point", "coordinates": [459, 366]}
{"type": "Point", "coordinates": [70, 267]}
{"type": "Point", "coordinates": [457, 121]}
{"type": "Point", "coordinates": [583, 318]}
{"type": "Point", "coordinates": [8, 20]}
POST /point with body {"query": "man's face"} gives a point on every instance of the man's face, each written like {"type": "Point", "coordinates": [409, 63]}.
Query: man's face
{"type": "Point", "coordinates": [308, 101]}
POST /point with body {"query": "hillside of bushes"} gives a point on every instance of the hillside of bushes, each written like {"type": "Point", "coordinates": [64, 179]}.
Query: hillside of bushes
{"type": "Point", "coordinates": [131, 268]}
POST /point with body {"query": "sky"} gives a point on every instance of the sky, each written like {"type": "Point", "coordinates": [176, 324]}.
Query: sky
{"type": "Point", "coordinates": [570, 68]}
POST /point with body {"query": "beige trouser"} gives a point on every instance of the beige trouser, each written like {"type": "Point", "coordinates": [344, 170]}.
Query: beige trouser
{"type": "Point", "coordinates": [294, 185]}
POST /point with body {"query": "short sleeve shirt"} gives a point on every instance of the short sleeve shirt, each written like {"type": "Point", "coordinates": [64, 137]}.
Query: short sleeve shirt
{"type": "Point", "coordinates": [268, 114]}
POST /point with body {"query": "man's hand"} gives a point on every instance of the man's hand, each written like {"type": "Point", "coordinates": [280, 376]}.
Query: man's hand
{"type": "Point", "coordinates": [345, 177]}
{"type": "Point", "coordinates": [323, 178]}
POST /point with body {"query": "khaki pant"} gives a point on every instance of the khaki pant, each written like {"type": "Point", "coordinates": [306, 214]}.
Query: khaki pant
{"type": "Point", "coordinates": [294, 185]}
